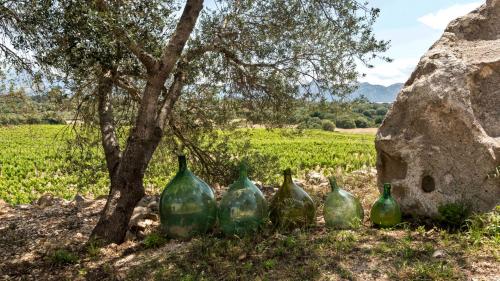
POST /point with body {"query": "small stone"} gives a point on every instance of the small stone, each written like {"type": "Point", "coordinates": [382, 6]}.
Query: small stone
{"type": "Point", "coordinates": [23, 206]}
{"type": "Point", "coordinates": [130, 236]}
{"type": "Point", "coordinates": [153, 206]}
{"type": "Point", "coordinates": [143, 202]}
{"type": "Point", "coordinates": [46, 200]}
{"type": "Point", "coordinates": [438, 254]}
{"type": "Point", "coordinates": [316, 178]}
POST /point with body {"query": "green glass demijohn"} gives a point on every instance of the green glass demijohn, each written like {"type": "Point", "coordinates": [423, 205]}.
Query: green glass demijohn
{"type": "Point", "coordinates": [342, 210]}
{"type": "Point", "coordinates": [385, 211]}
{"type": "Point", "coordinates": [292, 207]}
{"type": "Point", "coordinates": [187, 205]}
{"type": "Point", "coordinates": [243, 208]}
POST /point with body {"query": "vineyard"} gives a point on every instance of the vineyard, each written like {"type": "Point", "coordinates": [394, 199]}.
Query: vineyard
{"type": "Point", "coordinates": [36, 159]}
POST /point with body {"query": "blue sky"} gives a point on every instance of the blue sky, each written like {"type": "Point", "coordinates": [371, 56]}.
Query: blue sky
{"type": "Point", "coordinates": [412, 27]}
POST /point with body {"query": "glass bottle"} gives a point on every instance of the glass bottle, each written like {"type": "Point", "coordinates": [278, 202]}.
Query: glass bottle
{"type": "Point", "coordinates": [342, 210]}
{"type": "Point", "coordinates": [292, 207]}
{"type": "Point", "coordinates": [187, 205]}
{"type": "Point", "coordinates": [385, 211]}
{"type": "Point", "coordinates": [243, 208]}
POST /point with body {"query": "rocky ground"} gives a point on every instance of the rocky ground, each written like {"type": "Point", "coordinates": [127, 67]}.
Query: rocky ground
{"type": "Point", "coordinates": [48, 240]}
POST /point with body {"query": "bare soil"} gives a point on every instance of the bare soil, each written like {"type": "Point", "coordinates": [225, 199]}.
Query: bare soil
{"type": "Point", "coordinates": [35, 238]}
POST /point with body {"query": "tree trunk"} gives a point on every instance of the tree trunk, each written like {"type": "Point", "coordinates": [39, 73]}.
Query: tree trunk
{"type": "Point", "coordinates": [123, 196]}
{"type": "Point", "coordinates": [127, 168]}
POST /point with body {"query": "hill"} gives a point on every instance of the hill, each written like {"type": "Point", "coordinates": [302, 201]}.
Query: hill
{"type": "Point", "coordinates": [377, 93]}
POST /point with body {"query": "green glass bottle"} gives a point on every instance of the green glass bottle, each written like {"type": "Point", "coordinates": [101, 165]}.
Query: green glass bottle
{"type": "Point", "coordinates": [243, 208]}
{"type": "Point", "coordinates": [187, 205]}
{"type": "Point", "coordinates": [385, 211]}
{"type": "Point", "coordinates": [292, 207]}
{"type": "Point", "coordinates": [342, 210]}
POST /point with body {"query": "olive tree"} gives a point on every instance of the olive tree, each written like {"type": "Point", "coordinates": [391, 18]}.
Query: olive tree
{"type": "Point", "coordinates": [180, 65]}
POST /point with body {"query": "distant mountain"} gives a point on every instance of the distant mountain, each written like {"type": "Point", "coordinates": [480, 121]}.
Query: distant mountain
{"type": "Point", "coordinates": [377, 93]}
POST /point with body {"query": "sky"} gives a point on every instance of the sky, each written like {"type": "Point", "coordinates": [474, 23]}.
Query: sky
{"type": "Point", "coordinates": [412, 27]}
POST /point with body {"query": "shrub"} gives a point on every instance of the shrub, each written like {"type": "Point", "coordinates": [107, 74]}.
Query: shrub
{"type": "Point", "coordinates": [454, 215]}
{"type": "Point", "coordinates": [369, 113]}
{"type": "Point", "coordinates": [62, 256]}
{"type": "Point", "coordinates": [379, 119]}
{"type": "Point", "coordinates": [328, 125]}
{"type": "Point", "coordinates": [346, 123]}
{"type": "Point", "coordinates": [361, 123]}
{"type": "Point", "coordinates": [310, 123]}
{"type": "Point", "coordinates": [329, 116]}
{"type": "Point", "coordinates": [317, 114]}
{"type": "Point", "coordinates": [381, 111]}
{"type": "Point", "coordinates": [154, 240]}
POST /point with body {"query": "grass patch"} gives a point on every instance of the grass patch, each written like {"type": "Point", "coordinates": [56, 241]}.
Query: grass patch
{"type": "Point", "coordinates": [63, 257]}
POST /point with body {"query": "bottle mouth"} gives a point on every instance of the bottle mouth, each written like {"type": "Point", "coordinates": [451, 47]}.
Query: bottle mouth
{"type": "Point", "coordinates": [182, 161]}
{"type": "Point", "coordinates": [333, 183]}
{"type": "Point", "coordinates": [387, 190]}
{"type": "Point", "coordinates": [287, 172]}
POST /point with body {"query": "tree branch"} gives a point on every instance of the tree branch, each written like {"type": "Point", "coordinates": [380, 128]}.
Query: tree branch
{"type": "Point", "coordinates": [106, 122]}
{"type": "Point", "coordinates": [130, 89]}
{"type": "Point", "coordinates": [182, 32]}
{"type": "Point", "coordinates": [173, 94]}
{"type": "Point", "coordinates": [148, 60]}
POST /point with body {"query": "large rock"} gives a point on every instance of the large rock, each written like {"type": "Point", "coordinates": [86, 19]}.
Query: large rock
{"type": "Point", "coordinates": [441, 138]}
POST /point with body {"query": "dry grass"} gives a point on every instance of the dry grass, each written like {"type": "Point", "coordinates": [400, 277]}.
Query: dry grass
{"type": "Point", "coordinates": [50, 244]}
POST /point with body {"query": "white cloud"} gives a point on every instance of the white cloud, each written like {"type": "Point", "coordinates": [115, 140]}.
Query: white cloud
{"type": "Point", "coordinates": [441, 18]}
{"type": "Point", "coordinates": [387, 73]}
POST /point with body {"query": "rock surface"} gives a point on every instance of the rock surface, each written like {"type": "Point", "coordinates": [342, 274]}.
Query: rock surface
{"type": "Point", "coordinates": [441, 138]}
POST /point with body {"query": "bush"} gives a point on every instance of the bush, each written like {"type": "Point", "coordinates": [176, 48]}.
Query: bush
{"type": "Point", "coordinates": [369, 113]}
{"type": "Point", "coordinates": [454, 215]}
{"type": "Point", "coordinates": [361, 123]}
{"type": "Point", "coordinates": [346, 123]}
{"type": "Point", "coordinates": [328, 125]}
{"type": "Point", "coordinates": [381, 111]}
{"type": "Point", "coordinates": [310, 123]}
{"type": "Point", "coordinates": [154, 240]}
{"type": "Point", "coordinates": [379, 119]}
{"type": "Point", "coordinates": [329, 116]}
{"type": "Point", "coordinates": [317, 114]}
{"type": "Point", "coordinates": [62, 256]}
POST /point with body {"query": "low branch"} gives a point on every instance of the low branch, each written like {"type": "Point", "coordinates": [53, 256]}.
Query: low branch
{"type": "Point", "coordinates": [173, 94]}
{"type": "Point", "coordinates": [130, 89]}
{"type": "Point", "coordinates": [107, 123]}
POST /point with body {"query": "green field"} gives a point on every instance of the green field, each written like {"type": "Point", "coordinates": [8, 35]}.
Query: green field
{"type": "Point", "coordinates": [35, 159]}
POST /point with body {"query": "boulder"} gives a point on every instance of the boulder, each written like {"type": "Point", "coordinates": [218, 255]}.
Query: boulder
{"type": "Point", "coordinates": [441, 138]}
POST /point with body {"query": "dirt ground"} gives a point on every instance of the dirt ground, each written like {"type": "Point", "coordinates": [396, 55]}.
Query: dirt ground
{"type": "Point", "coordinates": [48, 241]}
{"type": "Point", "coordinates": [368, 131]}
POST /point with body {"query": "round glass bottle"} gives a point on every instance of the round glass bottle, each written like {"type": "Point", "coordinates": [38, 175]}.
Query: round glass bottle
{"type": "Point", "coordinates": [342, 210]}
{"type": "Point", "coordinates": [292, 207]}
{"type": "Point", "coordinates": [243, 208]}
{"type": "Point", "coordinates": [187, 205]}
{"type": "Point", "coordinates": [385, 211]}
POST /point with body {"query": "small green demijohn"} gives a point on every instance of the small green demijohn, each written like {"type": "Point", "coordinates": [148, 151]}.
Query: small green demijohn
{"type": "Point", "coordinates": [385, 211]}
{"type": "Point", "coordinates": [342, 210]}
{"type": "Point", "coordinates": [243, 208]}
{"type": "Point", "coordinates": [187, 205]}
{"type": "Point", "coordinates": [292, 207]}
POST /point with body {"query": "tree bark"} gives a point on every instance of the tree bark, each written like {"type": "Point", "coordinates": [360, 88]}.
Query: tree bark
{"type": "Point", "coordinates": [127, 168]}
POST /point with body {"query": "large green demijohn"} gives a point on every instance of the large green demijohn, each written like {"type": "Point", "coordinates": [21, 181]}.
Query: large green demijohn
{"type": "Point", "coordinates": [385, 211]}
{"type": "Point", "coordinates": [243, 208]}
{"type": "Point", "coordinates": [342, 210]}
{"type": "Point", "coordinates": [292, 207]}
{"type": "Point", "coordinates": [187, 205]}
